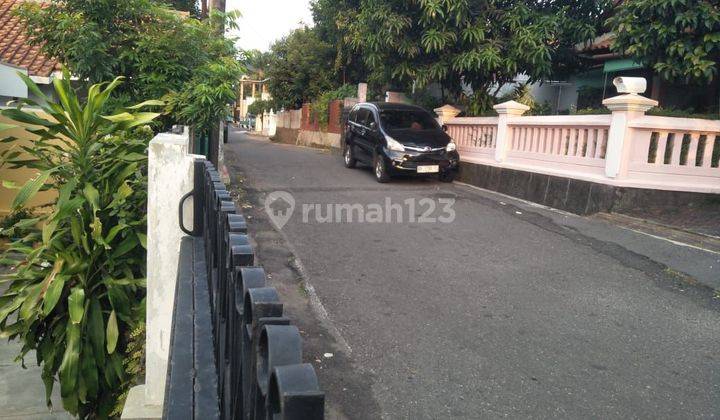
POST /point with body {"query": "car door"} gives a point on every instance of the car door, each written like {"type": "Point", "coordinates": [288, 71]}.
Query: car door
{"type": "Point", "coordinates": [372, 134]}
{"type": "Point", "coordinates": [349, 127]}
{"type": "Point", "coordinates": [360, 135]}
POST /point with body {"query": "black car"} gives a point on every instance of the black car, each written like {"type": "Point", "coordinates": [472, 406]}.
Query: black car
{"type": "Point", "coordinates": [398, 138]}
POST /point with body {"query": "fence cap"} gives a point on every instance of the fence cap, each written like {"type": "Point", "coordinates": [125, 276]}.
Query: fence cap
{"type": "Point", "coordinates": [448, 110]}
{"type": "Point", "coordinates": [629, 102]}
{"type": "Point", "coordinates": [511, 108]}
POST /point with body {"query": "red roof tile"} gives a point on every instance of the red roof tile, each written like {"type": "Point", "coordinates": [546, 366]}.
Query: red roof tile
{"type": "Point", "coordinates": [14, 46]}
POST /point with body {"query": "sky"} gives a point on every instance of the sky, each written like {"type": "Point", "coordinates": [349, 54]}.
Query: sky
{"type": "Point", "coordinates": [265, 21]}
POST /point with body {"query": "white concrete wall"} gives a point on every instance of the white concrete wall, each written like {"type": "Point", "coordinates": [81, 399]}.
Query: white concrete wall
{"type": "Point", "coordinates": [11, 85]}
{"type": "Point", "coordinates": [318, 138]}
{"type": "Point", "coordinates": [170, 176]}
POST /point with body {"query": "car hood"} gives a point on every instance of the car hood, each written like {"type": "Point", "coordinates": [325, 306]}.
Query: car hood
{"type": "Point", "coordinates": [420, 138]}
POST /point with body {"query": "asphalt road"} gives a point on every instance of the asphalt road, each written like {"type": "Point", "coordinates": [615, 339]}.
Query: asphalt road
{"type": "Point", "coordinates": [510, 310]}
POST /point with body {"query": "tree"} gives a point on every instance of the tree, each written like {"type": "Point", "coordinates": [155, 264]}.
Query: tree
{"type": "Point", "coordinates": [479, 44]}
{"type": "Point", "coordinates": [679, 39]}
{"type": "Point", "coordinates": [332, 19]}
{"type": "Point", "coordinates": [256, 62]}
{"type": "Point", "coordinates": [300, 69]}
{"type": "Point", "coordinates": [189, 6]}
{"type": "Point", "coordinates": [157, 49]}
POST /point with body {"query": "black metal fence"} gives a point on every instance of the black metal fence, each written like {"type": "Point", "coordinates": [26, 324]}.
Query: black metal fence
{"type": "Point", "coordinates": [258, 353]}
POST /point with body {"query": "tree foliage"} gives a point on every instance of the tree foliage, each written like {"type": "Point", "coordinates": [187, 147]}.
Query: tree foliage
{"type": "Point", "coordinates": [256, 62]}
{"type": "Point", "coordinates": [321, 105]}
{"type": "Point", "coordinates": [332, 19]}
{"type": "Point", "coordinates": [300, 69]}
{"type": "Point", "coordinates": [475, 43]}
{"type": "Point", "coordinates": [679, 39]}
{"type": "Point", "coordinates": [157, 49]}
{"type": "Point", "coordinates": [78, 283]}
{"type": "Point", "coordinates": [190, 6]}
{"type": "Point", "coordinates": [260, 106]}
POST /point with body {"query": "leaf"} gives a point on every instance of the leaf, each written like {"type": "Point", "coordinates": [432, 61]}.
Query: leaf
{"type": "Point", "coordinates": [48, 283]}
{"type": "Point", "coordinates": [10, 185]}
{"type": "Point", "coordinates": [91, 193]}
{"type": "Point", "coordinates": [48, 230]}
{"type": "Point", "coordinates": [96, 331]}
{"type": "Point", "coordinates": [127, 245]}
{"type": "Point", "coordinates": [68, 371]}
{"type": "Point", "coordinates": [143, 239]}
{"type": "Point", "coordinates": [31, 301]}
{"type": "Point", "coordinates": [114, 231]}
{"type": "Point", "coordinates": [151, 102]}
{"type": "Point", "coordinates": [31, 188]}
{"type": "Point", "coordinates": [141, 118]}
{"type": "Point", "coordinates": [89, 373]}
{"type": "Point", "coordinates": [76, 304]}
{"type": "Point", "coordinates": [52, 295]}
{"type": "Point", "coordinates": [11, 307]}
{"type": "Point", "coordinates": [112, 333]}
{"type": "Point", "coordinates": [121, 117]}
{"type": "Point", "coordinates": [4, 127]}
{"type": "Point", "coordinates": [26, 117]}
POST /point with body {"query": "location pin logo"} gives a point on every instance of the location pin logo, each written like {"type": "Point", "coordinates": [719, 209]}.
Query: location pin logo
{"type": "Point", "coordinates": [279, 205]}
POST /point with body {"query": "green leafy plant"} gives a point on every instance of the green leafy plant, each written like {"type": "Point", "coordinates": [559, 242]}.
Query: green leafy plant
{"type": "Point", "coordinates": [134, 364]}
{"type": "Point", "coordinates": [321, 106]}
{"type": "Point", "coordinates": [679, 39]}
{"type": "Point", "coordinates": [203, 101]}
{"type": "Point", "coordinates": [261, 106]}
{"type": "Point", "coordinates": [77, 284]}
{"type": "Point", "coordinates": [481, 45]}
{"type": "Point", "coordinates": [523, 94]}
{"type": "Point", "coordinates": [300, 68]}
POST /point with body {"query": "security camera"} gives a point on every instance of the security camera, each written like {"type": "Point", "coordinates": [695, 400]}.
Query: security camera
{"type": "Point", "coordinates": [630, 84]}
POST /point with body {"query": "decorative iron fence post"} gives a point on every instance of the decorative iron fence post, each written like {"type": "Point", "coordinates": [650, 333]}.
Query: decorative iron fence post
{"type": "Point", "coordinates": [258, 354]}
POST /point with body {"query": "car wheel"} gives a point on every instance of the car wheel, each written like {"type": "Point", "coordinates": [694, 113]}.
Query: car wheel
{"type": "Point", "coordinates": [349, 156]}
{"type": "Point", "coordinates": [447, 176]}
{"type": "Point", "coordinates": [380, 169]}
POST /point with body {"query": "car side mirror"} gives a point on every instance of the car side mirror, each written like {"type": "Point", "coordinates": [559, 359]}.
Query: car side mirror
{"type": "Point", "coordinates": [444, 128]}
{"type": "Point", "coordinates": [373, 125]}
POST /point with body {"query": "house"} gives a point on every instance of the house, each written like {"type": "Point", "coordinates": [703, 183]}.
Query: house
{"type": "Point", "coordinates": [17, 55]}
{"type": "Point", "coordinates": [587, 89]}
{"type": "Point", "coordinates": [255, 86]}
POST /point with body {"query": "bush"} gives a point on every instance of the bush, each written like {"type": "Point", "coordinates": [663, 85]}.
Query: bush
{"type": "Point", "coordinates": [77, 284]}
{"type": "Point", "coordinates": [321, 106]}
{"type": "Point", "coordinates": [657, 111]}
{"type": "Point", "coordinates": [261, 106]}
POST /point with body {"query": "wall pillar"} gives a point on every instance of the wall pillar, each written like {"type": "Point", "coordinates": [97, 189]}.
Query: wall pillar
{"type": "Point", "coordinates": [170, 176]}
{"type": "Point", "coordinates": [362, 92]}
{"type": "Point", "coordinates": [446, 113]}
{"type": "Point", "coordinates": [625, 108]}
{"type": "Point", "coordinates": [506, 111]}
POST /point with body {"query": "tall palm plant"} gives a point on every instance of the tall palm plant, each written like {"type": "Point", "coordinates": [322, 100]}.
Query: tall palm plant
{"type": "Point", "coordinates": [77, 282]}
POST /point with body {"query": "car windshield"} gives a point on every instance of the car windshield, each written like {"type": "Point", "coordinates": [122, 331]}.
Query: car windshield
{"type": "Point", "coordinates": [406, 119]}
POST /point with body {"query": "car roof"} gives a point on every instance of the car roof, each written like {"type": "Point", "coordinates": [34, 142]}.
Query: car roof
{"type": "Point", "coordinates": [392, 105]}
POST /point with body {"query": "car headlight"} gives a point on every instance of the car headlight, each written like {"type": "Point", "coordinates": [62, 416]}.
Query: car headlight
{"type": "Point", "coordinates": [450, 146]}
{"type": "Point", "coordinates": [394, 145]}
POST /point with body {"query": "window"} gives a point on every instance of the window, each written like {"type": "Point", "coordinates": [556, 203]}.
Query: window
{"type": "Point", "coordinates": [353, 115]}
{"type": "Point", "coordinates": [370, 119]}
{"type": "Point", "coordinates": [407, 119]}
{"type": "Point", "coordinates": [362, 116]}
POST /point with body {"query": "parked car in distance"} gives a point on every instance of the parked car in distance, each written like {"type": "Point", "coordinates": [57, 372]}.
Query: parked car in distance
{"type": "Point", "coordinates": [398, 138]}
